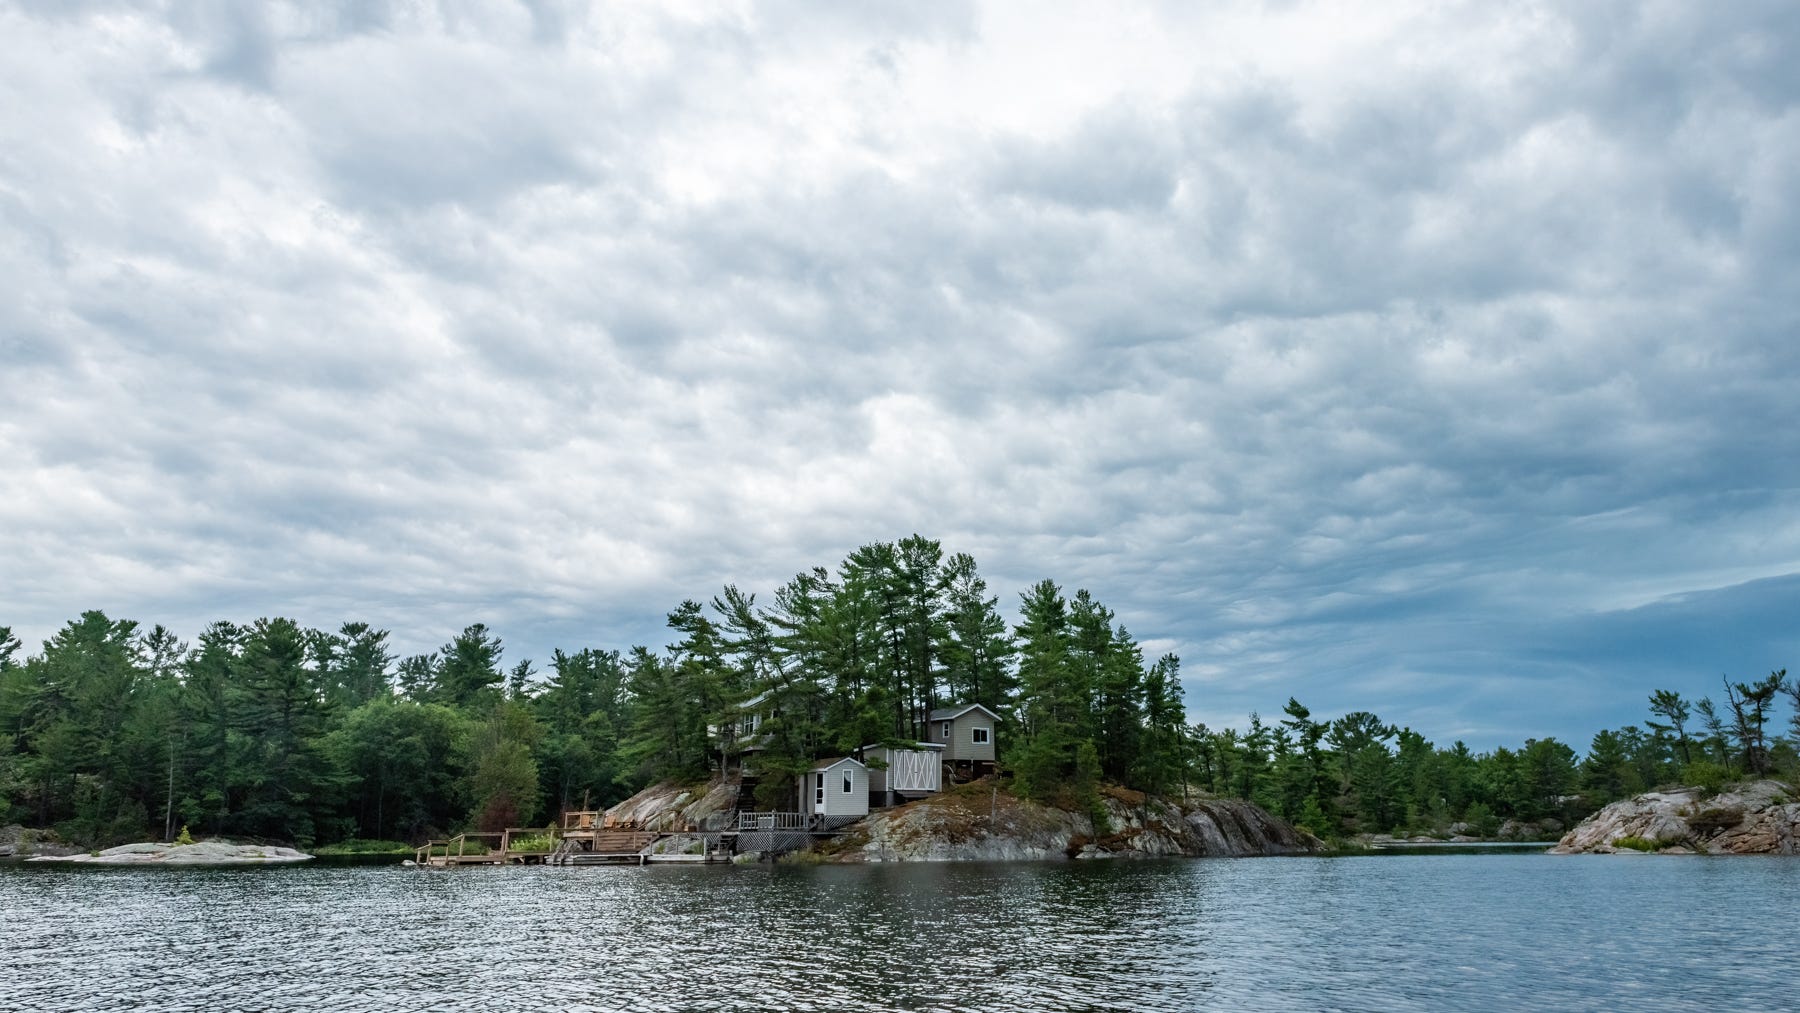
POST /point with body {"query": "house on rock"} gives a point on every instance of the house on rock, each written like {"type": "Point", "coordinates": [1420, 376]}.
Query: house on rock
{"type": "Point", "coordinates": [838, 790]}
{"type": "Point", "coordinates": [966, 735]}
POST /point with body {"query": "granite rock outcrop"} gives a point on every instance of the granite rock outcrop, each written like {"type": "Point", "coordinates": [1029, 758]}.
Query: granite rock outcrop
{"type": "Point", "coordinates": [1753, 818]}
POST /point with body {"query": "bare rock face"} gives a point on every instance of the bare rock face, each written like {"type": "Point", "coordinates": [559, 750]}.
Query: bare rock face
{"type": "Point", "coordinates": [1233, 827]}
{"type": "Point", "coordinates": [202, 854]}
{"type": "Point", "coordinates": [970, 824]}
{"type": "Point", "coordinates": [673, 807]}
{"type": "Point", "coordinates": [21, 842]}
{"type": "Point", "coordinates": [977, 823]}
{"type": "Point", "coordinates": [1754, 818]}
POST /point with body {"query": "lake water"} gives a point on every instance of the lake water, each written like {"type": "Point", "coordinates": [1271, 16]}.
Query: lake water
{"type": "Point", "coordinates": [1384, 932]}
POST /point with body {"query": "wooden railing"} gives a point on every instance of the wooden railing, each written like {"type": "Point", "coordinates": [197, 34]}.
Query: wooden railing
{"type": "Point", "coordinates": [773, 821]}
{"type": "Point", "coordinates": [461, 841]}
{"type": "Point", "coordinates": [589, 819]}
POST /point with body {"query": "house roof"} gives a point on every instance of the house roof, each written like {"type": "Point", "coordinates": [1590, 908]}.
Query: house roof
{"type": "Point", "coordinates": [915, 746]}
{"type": "Point", "coordinates": [952, 713]}
{"type": "Point", "coordinates": [832, 761]}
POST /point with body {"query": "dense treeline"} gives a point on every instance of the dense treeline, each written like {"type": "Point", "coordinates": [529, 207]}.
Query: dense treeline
{"type": "Point", "coordinates": [273, 730]}
{"type": "Point", "coordinates": [1357, 774]}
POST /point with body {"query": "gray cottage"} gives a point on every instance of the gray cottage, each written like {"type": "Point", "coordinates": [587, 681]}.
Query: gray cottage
{"type": "Point", "coordinates": [967, 734]}
{"type": "Point", "coordinates": [835, 792]}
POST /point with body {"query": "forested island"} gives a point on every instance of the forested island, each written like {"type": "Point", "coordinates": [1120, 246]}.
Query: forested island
{"type": "Point", "coordinates": [272, 731]}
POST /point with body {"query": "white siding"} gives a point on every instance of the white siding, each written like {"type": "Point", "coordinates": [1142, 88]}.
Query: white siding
{"type": "Point", "coordinates": [839, 802]}
{"type": "Point", "coordinates": [915, 769]}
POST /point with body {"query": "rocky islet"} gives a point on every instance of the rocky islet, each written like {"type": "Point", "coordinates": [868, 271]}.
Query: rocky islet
{"type": "Point", "coordinates": [1753, 818]}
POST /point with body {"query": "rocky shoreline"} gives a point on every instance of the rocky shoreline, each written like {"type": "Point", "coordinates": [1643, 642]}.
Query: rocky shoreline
{"type": "Point", "coordinates": [983, 825]}
{"type": "Point", "coordinates": [980, 822]}
{"type": "Point", "coordinates": [1754, 818]}
{"type": "Point", "coordinates": [206, 853]}
{"type": "Point", "coordinates": [19, 843]}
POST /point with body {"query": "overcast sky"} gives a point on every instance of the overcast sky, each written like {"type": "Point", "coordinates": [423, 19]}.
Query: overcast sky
{"type": "Point", "coordinates": [1433, 359]}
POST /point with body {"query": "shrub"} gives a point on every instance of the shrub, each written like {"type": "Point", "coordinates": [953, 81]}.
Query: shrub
{"type": "Point", "coordinates": [1710, 778]}
{"type": "Point", "coordinates": [364, 846]}
{"type": "Point", "coordinates": [184, 838]}
{"type": "Point", "coordinates": [1636, 843]}
{"type": "Point", "coordinates": [1482, 819]}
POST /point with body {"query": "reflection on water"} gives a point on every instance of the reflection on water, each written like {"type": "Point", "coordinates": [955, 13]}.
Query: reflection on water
{"type": "Point", "coordinates": [1359, 933]}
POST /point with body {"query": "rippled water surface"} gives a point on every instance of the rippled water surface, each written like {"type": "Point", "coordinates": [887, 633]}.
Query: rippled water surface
{"type": "Point", "coordinates": [1437, 932]}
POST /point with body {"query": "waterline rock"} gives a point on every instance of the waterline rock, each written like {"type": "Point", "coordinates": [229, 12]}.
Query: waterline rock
{"type": "Point", "coordinates": [206, 853]}
{"type": "Point", "coordinates": [21, 842]}
{"type": "Point", "coordinates": [970, 824]}
{"type": "Point", "coordinates": [1754, 818]}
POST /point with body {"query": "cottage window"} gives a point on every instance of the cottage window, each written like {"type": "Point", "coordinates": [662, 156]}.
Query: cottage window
{"type": "Point", "coordinates": [979, 736]}
{"type": "Point", "coordinates": [819, 790]}
{"type": "Point", "coordinates": [944, 732]}
{"type": "Point", "coordinates": [849, 781]}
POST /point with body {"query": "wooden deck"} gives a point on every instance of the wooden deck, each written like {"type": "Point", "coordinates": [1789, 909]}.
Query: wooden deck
{"type": "Point", "coordinates": [604, 847]}
{"type": "Point", "coordinates": [585, 838]}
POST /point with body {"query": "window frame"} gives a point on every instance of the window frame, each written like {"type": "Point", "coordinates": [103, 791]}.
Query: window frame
{"type": "Point", "coordinates": [980, 735]}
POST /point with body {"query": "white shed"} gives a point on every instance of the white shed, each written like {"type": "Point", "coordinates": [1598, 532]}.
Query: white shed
{"type": "Point", "coordinates": [908, 773]}
{"type": "Point", "coordinates": [836, 790]}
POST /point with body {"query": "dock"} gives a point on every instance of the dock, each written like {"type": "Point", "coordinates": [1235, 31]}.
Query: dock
{"type": "Point", "coordinates": [587, 838]}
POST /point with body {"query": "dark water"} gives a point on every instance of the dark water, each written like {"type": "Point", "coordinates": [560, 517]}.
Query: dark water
{"type": "Point", "coordinates": [1392, 932]}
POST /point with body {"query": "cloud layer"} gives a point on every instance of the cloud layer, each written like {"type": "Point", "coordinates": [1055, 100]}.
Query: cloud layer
{"type": "Point", "coordinates": [1432, 359]}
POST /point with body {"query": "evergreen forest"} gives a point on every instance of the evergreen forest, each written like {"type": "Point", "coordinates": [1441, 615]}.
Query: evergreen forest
{"type": "Point", "coordinates": [271, 730]}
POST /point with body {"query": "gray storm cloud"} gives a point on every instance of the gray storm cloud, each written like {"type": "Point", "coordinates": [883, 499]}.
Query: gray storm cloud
{"type": "Point", "coordinates": [1426, 361]}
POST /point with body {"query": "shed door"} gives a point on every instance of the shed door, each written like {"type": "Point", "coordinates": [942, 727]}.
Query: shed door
{"type": "Point", "coordinates": [819, 792]}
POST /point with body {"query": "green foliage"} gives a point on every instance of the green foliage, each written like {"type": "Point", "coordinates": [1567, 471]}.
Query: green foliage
{"type": "Point", "coordinates": [503, 776]}
{"type": "Point", "coordinates": [184, 838]}
{"type": "Point", "coordinates": [1037, 765]}
{"type": "Point", "coordinates": [1711, 778]}
{"type": "Point", "coordinates": [1674, 710]}
{"type": "Point", "coordinates": [1636, 843]}
{"type": "Point", "coordinates": [1607, 772]}
{"type": "Point", "coordinates": [363, 846]}
{"type": "Point", "coordinates": [406, 763]}
{"type": "Point", "coordinates": [532, 842]}
{"type": "Point", "coordinates": [1481, 819]}
{"type": "Point", "coordinates": [584, 714]}
{"type": "Point", "coordinates": [1086, 786]}
{"type": "Point", "coordinates": [1312, 819]}
{"type": "Point", "coordinates": [276, 731]}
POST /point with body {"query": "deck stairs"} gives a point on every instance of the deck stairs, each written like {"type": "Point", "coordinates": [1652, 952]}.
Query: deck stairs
{"type": "Point", "coordinates": [606, 847]}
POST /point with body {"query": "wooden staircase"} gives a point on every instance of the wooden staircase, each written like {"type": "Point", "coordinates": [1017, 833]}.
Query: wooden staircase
{"type": "Point", "coordinates": [746, 796]}
{"type": "Point", "coordinates": [603, 847]}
